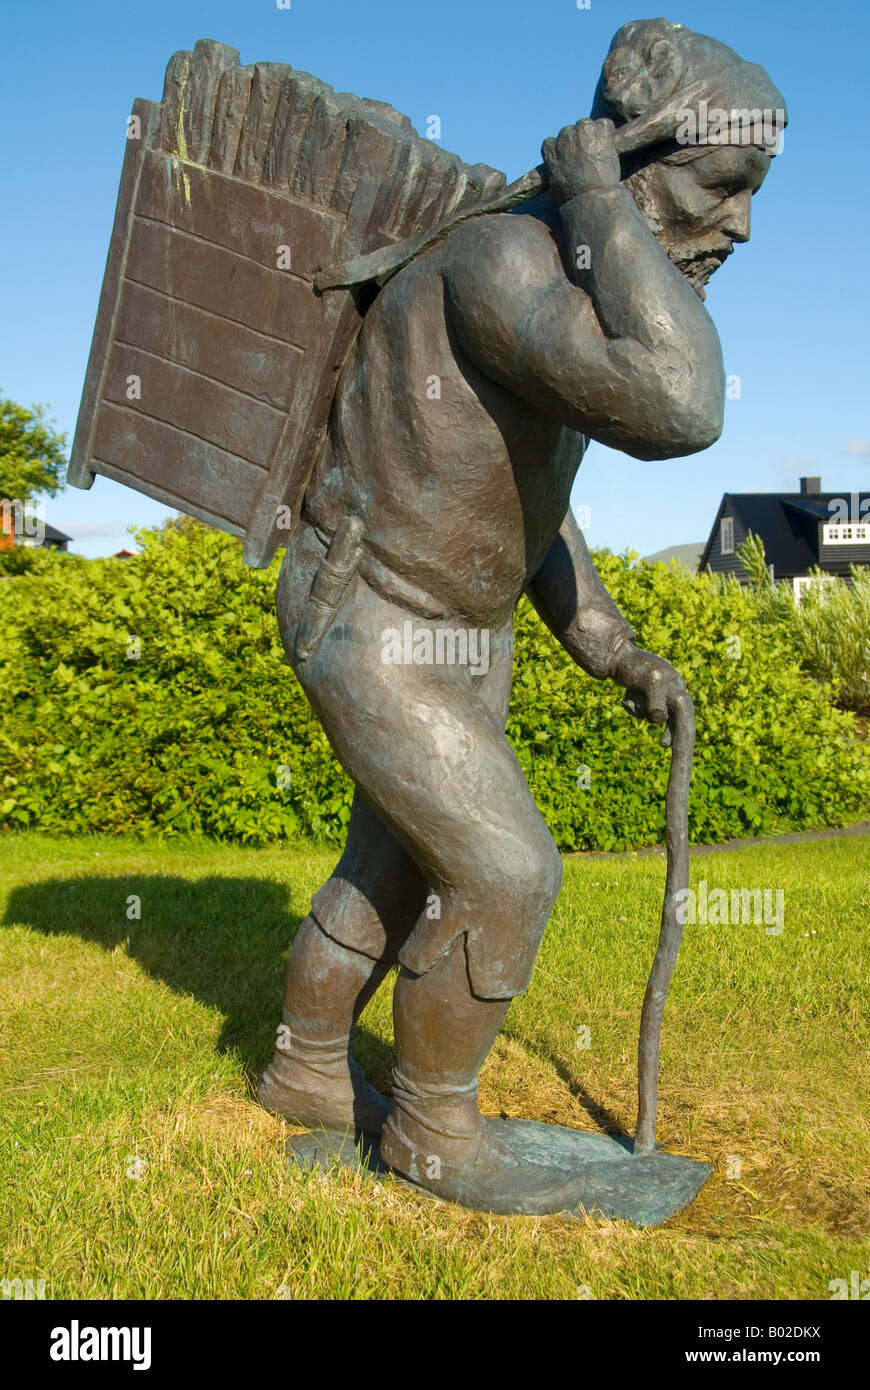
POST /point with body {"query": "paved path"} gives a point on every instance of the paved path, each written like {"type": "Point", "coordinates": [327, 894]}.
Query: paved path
{"type": "Point", "coordinates": [798, 837]}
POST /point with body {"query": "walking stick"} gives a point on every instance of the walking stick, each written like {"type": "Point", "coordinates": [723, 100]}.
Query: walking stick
{"type": "Point", "coordinates": [680, 735]}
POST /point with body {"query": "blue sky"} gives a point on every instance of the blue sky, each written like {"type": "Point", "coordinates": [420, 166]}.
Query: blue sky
{"type": "Point", "coordinates": [791, 307]}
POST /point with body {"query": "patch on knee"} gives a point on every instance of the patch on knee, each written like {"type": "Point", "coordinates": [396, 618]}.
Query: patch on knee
{"type": "Point", "coordinates": [501, 968]}
{"type": "Point", "coordinates": [500, 957]}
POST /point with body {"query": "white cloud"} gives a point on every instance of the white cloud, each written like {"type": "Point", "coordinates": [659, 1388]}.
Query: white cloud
{"type": "Point", "coordinates": [86, 530]}
{"type": "Point", "coordinates": [861, 447]}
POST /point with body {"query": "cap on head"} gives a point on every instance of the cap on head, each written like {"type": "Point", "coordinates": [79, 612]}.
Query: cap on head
{"type": "Point", "coordinates": [650, 60]}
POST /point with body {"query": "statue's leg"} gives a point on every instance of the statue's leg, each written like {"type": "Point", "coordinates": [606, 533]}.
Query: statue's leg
{"type": "Point", "coordinates": [445, 777]}
{"type": "Point", "coordinates": [341, 953]}
{"type": "Point", "coordinates": [344, 948]}
{"type": "Point", "coordinates": [426, 746]}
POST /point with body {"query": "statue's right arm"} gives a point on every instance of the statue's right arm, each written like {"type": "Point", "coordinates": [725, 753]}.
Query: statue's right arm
{"type": "Point", "coordinates": [623, 351]}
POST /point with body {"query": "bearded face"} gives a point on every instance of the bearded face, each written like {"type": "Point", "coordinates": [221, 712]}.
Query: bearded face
{"type": "Point", "coordinates": [698, 204]}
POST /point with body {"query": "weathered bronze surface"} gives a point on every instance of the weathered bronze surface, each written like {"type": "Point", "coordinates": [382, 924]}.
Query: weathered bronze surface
{"type": "Point", "coordinates": [407, 408]}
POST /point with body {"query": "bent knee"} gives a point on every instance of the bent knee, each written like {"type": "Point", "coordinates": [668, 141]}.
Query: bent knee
{"type": "Point", "coordinates": [524, 878]}
{"type": "Point", "coordinates": [549, 870]}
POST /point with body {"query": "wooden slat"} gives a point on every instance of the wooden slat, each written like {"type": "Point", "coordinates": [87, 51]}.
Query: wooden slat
{"type": "Point", "coordinates": [412, 174]}
{"type": "Point", "coordinates": [319, 153]}
{"type": "Point", "coordinates": [232, 103]}
{"type": "Point", "coordinates": [166, 458]}
{"type": "Point", "coordinates": [295, 108]}
{"type": "Point", "coordinates": [265, 89]}
{"type": "Point", "coordinates": [172, 103]}
{"type": "Point", "coordinates": [237, 356]}
{"type": "Point", "coordinates": [270, 301]}
{"type": "Point", "coordinates": [241, 217]}
{"type": "Point", "coordinates": [200, 97]}
{"type": "Point", "coordinates": [368, 148]}
{"type": "Point", "coordinates": [423, 209]}
{"type": "Point", "coordinates": [213, 412]}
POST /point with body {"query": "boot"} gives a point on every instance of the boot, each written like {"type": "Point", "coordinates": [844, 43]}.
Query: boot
{"type": "Point", "coordinates": [435, 1136]}
{"type": "Point", "coordinates": [313, 1078]}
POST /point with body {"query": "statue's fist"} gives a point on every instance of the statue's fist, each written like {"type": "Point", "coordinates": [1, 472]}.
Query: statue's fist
{"type": "Point", "coordinates": [581, 157]}
{"type": "Point", "coordinates": [654, 690]}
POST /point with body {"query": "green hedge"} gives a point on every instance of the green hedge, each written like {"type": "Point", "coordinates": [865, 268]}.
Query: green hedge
{"type": "Point", "coordinates": [772, 753]}
{"type": "Point", "coordinates": [206, 730]}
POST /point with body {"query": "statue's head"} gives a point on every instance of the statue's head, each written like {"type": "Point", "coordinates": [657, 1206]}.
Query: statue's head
{"type": "Point", "coordinates": [694, 190]}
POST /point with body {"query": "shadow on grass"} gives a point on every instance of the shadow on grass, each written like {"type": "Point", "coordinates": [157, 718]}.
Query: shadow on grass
{"type": "Point", "coordinates": [540, 1047]}
{"type": "Point", "coordinates": [224, 941]}
{"type": "Point", "coordinates": [605, 1119]}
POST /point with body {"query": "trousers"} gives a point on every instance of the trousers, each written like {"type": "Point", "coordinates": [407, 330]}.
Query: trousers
{"type": "Point", "coordinates": [444, 837]}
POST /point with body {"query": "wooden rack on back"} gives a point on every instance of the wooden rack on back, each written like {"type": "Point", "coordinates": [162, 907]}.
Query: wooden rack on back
{"type": "Point", "coordinates": [214, 358]}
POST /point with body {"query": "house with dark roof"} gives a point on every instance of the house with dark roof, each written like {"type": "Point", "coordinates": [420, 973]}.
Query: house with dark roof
{"type": "Point", "coordinates": [801, 531]}
{"type": "Point", "coordinates": [53, 539]}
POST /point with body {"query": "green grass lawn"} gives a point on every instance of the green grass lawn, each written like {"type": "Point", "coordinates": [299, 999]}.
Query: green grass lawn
{"type": "Point", "coordinates": [126, 1040]}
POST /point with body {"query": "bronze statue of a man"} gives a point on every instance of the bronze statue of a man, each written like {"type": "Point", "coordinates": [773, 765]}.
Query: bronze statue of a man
{"type": "Point", "coordinates": [441, 496]}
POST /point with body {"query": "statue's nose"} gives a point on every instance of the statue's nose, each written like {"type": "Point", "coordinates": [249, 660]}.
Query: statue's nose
{"type": "Point", "coordinates": [737, 216]}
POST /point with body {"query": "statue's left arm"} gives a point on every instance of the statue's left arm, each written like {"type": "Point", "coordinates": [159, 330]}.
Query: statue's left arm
{"type": "Point", "coordinates": [569, 596]}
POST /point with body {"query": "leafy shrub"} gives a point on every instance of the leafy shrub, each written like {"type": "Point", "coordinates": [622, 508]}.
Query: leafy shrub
{"type": "Point", "coordinates": [829, 628]}
{"type": "Point", "coordinates": [188, 729]}
{"type": "Point", "coordinates": [834, 638]}
{"type": "Point", "coordinates": [199, 726]}
{"type": "Point", "coordinates": [771, 753]}
{"type": "Point", "coordinates": [16, 559]}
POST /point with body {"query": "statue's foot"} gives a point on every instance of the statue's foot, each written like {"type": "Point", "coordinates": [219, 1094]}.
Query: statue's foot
{"type": "Point", "coordinates": [482, 1172]}
{"type": "Point", "coordinates": [336, 1097]}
